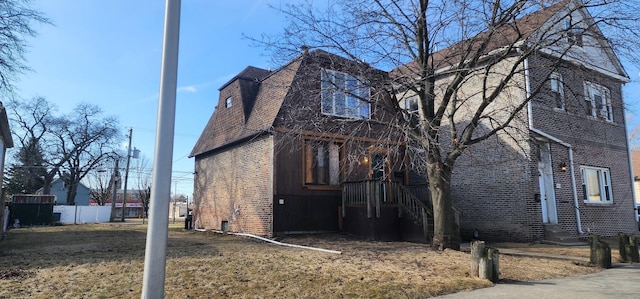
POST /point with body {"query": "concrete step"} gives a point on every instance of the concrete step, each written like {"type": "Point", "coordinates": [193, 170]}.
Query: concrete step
{"type": "Point", "coordinates": [555, 234]}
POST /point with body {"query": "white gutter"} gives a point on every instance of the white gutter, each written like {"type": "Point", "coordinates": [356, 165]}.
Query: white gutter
{"type": "Point", "coordinates": [267, 240]}
{"type": "Point", "coordinates": [554, 139]}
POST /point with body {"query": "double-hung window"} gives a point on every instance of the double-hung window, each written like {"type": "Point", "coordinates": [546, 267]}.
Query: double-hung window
{"type": "Point", "coordinates": [596, 185]}
{"type": "Point", "coordinates": [557, 87]}
{"type": "Point", "coordinates": [322, 162]}
{"type": "Point", "coordinates": [344, 95]}
{"type": "Point", "coordinates": [598, 101]}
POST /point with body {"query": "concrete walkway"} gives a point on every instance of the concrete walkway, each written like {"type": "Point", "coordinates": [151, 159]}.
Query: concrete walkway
{"type": "Point", "coordinates": [621, 281]}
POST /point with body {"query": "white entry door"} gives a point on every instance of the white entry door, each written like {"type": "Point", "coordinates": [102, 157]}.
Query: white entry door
{"type": "Point", "coordinates": [547, 192]}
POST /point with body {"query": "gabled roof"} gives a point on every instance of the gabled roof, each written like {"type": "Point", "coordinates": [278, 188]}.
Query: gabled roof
{"type": "Point", "coordinates": [58, 180]}
{"type": "Point", "coordinates": [262, 95]}
{"type": "Point", "coordinates": [527, 28]}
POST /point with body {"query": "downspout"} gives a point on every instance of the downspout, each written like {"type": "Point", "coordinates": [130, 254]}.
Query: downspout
{"type": "Point", "coordinates": [567, 145]}
{"type": "Point", "coordinates": [633, 184]}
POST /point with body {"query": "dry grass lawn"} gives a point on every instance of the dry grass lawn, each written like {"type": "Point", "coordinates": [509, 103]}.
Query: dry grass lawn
{"type": "Point", "coordinates": [106, 261]}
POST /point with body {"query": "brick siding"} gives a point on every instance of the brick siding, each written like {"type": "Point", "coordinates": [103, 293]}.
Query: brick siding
{"type": "Point", "coordinates": [235, 185]}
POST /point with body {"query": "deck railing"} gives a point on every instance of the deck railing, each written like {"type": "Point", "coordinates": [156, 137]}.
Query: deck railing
{"type": "Point", "coordinates": [413, 200]}
{"type": "Point", "coordinates": [375, 194]}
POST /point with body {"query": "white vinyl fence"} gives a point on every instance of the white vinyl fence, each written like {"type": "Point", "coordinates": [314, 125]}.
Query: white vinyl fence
{"type": "Point", "coordinates": [83, 214]}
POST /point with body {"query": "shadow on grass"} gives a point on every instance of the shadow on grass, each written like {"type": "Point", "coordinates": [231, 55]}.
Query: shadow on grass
{"type": "Point", "coordinates": [43, 247]}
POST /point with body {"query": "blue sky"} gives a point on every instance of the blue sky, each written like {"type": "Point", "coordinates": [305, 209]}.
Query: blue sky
{"type": "Point", "coordinates": [108, 52]}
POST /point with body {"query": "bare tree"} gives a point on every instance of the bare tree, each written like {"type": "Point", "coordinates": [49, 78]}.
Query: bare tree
{"type": "Point", "coordinates": [32, 121]}
{"type": "Point", "coordinates": [141, 168]}
{"type": "Point", "coordinates": [16, 25]}
{"type": "Point", "coordinates": [85, 140]}
{"type": "Point", "coordinates": [103, 181]}
{"type": "Point", "coordinates": [72, 145]}
{"type": "Point", "coordinates": [457, 59]}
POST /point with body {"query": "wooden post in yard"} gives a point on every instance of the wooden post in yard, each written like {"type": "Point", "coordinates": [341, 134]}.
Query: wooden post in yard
{"type": "Point", "coordinates": [600, 252]}
{"type": "Point", "coordinates": [628, 248]}
{"type": "Point", "coordinates": [635, 255]}
{"type": "Point", "coordinates": [477, 251]}
{"type": "Point", "coordinates": [623, 241]}
{"type": "Point", "coordinates": [484, 262]}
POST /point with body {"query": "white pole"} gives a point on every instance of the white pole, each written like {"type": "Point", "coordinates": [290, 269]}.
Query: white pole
{"type": "Point", "coordinates": [157, 232]}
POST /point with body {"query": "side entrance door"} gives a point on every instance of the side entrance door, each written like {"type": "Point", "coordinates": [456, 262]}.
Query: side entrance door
{"type": "Point", "coordinates": [547, 192]}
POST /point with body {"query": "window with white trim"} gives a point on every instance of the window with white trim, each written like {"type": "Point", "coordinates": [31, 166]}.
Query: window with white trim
{"type": "Point", "coordinates": [344, 95]}
{"type": "Point", "coordinates": [574, 33]}
{"type": "Point", "coordinates": [411, 104]}
{"type": "Point", "coordinates": [598, 101]}
{"type": "Point", "coordinates": [596, 185]}
{"type": "Point", "coordinates": [228, 102]}
{"type": "Point", "coordinates": [557, 87]}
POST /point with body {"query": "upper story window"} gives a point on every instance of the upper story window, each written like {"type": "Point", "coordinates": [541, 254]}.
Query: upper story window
{"type": "Point", "coordinates": [228, 102]}
{"type": "Point", "coordinates": [411, 104]}
{"type": "Point", "coordinates": [596, 185]}
{"type": "Point", "coordinates": [344, 95]}
{"type": "Point", "coordinates": [574, 33]}
{"type": "Point", "coordinates": [598, 101]}
{"type": "Point", "coordinates": [557, 87]}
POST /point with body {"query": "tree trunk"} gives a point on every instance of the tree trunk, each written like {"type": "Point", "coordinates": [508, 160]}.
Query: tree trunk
{"type": "Point", "coordinates": [72, 190]}
{"type": "Point", "coordinates": [46, 186]}
{"type": "Point", "coordinates": [444, 233]}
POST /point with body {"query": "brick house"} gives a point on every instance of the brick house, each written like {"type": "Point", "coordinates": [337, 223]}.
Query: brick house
{"type": "Point", "coordinates": [562, 168]}
{"type": "Point", "coordinates": [282, 148]}
{"type": "Point", "coordinates": [559, 171]}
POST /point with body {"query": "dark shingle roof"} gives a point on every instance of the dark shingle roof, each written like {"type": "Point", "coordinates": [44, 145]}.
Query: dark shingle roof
{"type": "Point", "coordinates": [506, 35]}
{"type": "Point", "coordinates": [262, 95]}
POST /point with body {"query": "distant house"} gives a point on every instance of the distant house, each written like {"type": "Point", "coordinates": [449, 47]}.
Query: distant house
{"type": "Point", "coordinates": [135, 206]}
{"type": "Point", "coordinates": [59, 189]}
{"type": "Point", "coordinates": [6, 141]}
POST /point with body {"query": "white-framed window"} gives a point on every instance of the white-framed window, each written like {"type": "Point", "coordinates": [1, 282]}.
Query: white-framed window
{"type": "Point", "coordinates": [411, 104]}
{"type": "Point", "coordinates": [344, 95]}
{"type": "Point", "coordinates": [574, 33]}
{"type": "Point", "coordinates": [596, 185]}
{"type": "Point", "coordinates": [322, 162]}
{"type": "Point", "coordinates": [228, 102]}
{"type": "Point", "coordinates": [557, 87]}
{"type": "Point", "coordinates": [598, 101]}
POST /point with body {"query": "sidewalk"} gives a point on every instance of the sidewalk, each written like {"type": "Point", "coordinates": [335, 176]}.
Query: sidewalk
{"type": "Point", "coordinates": [621, 281]}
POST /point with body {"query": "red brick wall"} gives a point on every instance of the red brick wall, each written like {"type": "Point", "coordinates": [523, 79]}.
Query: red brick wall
{"type": "Point", "coordinates": [235, 185]}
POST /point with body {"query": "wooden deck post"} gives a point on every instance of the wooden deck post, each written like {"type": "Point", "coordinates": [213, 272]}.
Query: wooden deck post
{"type": "Point", "coordinates": [379, 186]}
{"type": "Point", "coordinates": [345, 189]}
{"type": "Point", "coordinates": [368, 199]}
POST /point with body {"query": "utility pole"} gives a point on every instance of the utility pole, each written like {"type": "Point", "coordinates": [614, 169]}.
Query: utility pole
{"type": "Point", "coordinates": [115, 180]}
{"type": "Point", "coordinates": [126, 176]}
